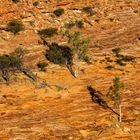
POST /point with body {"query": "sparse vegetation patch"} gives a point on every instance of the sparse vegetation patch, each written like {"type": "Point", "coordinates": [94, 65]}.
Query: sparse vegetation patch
{"type": "Point", "coordinates": [116, 51]}
{"type": "Point", "coordinates": [59, 12]}
{"type": "Point", "coordinates": [15, 26]}
{"type": "Point", "coordinates": [42, 65]}
{"type": "Point", "coordinates": [88, 10]}
{"type": "Point", "coordinates": [122, 60]}
{"type": "Point", "coordinates": [48, 32]}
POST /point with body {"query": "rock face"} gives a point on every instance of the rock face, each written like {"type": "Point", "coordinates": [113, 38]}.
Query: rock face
{"type": "Point", "coordinates": [63, 109]}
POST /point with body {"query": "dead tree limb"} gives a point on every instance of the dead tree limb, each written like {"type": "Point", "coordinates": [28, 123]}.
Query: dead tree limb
{"type": "Point", "coordinates": [29, 74]}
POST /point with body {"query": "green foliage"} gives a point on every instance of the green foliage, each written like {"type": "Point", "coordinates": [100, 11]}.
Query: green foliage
{"type": "Point", "coordinates": [114, 90]}
{"type": "Point", "coordinates": [8, 64]}
{"type": "Point", "coordinates": [127, 58]}
{"type": "Point", "coordinates": [80, 23]}
{"type": "Point", "coordinates": [120, 62]}
{"type": "Point", "coordinates": [4, 62]}
{"type": "Point", "coordinates": [59, 54]}
{"type": "Point", "coordinates": [116, 51]}
{"type": "Point", "coordinates": [88, 10]}
{"type": "Point", "coordinates": [42, 65]}
{"type": "Point", "coordinates": [78, 45]}
{"type": "Point", "coordinates": [48, 32]}
{"type": "Point", "coordinates": [20, 52]}
{"type": "Point", "coordinates": [15, 26]}
{"type": "Point", "coordinates": [59, 12]}
{"type": "Point", "coordinates": [77, 23]}
{"type": "Point", "coordinates": [12, 62]}
{"type": "Point", "coordinates": [122, 59]}
{"type": "Point", "coordinates": [115, 95]}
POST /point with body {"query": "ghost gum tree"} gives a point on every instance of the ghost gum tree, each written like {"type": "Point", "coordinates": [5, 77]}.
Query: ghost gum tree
{"type": "Point", "coordinates": [115, 94]}
{"type": "Point", "coordinates": [79, 49]}
{"type": "Point", "coordinates": [74, 49]}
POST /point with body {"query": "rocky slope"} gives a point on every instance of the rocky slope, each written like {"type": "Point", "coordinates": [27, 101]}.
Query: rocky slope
{"type": "Point", "coordinates": [63, 110]}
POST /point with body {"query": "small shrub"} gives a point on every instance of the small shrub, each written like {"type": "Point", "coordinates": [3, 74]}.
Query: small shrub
{"type": "Point", "coordinates": [12, 63]}
{"type": "Point", "coordinates": [17, 57]}
{"type": "Point", "coordinates": [80, 23]}
{"type": "Point", "coordinates": [42, 65]}
{"type": "Point", "coordinates": [97, 20]}
{"type": "Point", "coordinates": [59, 54]}
{"type": "Point", "coordinates": [108, 59]}
{"type": "Point", "coordinates": [120, 62]}
{"type": "Point", "coordinates": [8, 64]}
{"type": "Point", "coordinates": [122, 59]}
{"type": "Point", "coordinates": [111, 19]}
{"type": "Point", "coordinates": [110, 67]}
{"type": "Point", "coordinates": [36, 3]}
{"type": "Point", "coordinates": [116, 51]}
{"type": "Point", "coordinates": [127, 58]}
{"type": "Point", "coordinates": [20, 52]}
{"type": "Point", "coordinates": [15, 26]}
{"type": "Point", "coordinates": [59, 12]}
{"type": "Point", "coordinates": [88, 10]}
{"type": "Point", "coordinates": [136, 11]}
{"type": "Point", "coordinates": [48, 32]}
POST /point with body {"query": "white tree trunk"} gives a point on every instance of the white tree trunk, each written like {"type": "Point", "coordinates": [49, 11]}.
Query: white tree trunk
{"type": "Point", "coordinates": [120, 113]}
{"type": "Point", "coordinates": [75, 68]}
